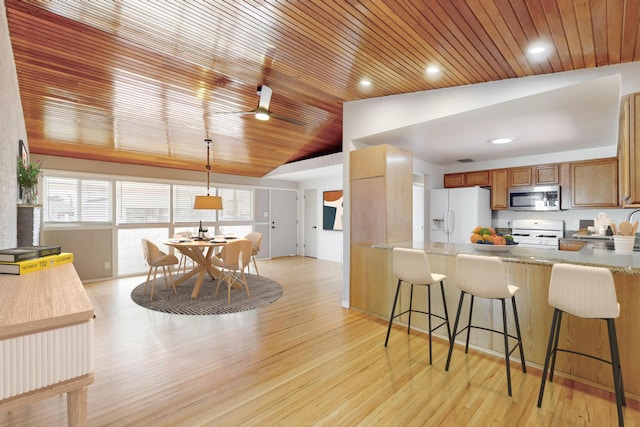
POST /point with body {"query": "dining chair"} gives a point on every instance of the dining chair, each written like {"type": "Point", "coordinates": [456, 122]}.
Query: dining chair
{"type": "Point", "coordinates": [232, 260]}
{"type": "Point", "coordinates": [155, 258]}
{"type": "Point", "coordinates": [256, 241]}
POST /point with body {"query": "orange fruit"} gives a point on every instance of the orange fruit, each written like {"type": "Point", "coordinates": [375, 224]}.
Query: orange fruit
{"type": "Point", "coordinates": [488, 238]}
{"type": "Point", "coordinates": [475, 237]}
{"type": "Point", "coordinates": [499, 240]}
{"type": "Point", "coordinates": [492, 231]}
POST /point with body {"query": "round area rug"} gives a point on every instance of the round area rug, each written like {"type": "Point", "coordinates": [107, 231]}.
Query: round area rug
{"type": "Point", "coordinates": [263, 291]}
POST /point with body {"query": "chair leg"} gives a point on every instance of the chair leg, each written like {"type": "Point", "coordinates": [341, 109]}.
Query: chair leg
{"type": "Point", "coordinates": [144, 291]}
{"type": "Point", "coordinates": [255, 265]}
{"type": "Point", "coordinates": [506, 344]}
{"type": "Point", "coordinates": [466, 347]}
{"type": "Point", "coordinates": [410, 309]}
{"type": "Point", "coordinates": [246, 285]}
{"type": "Point", "coordinates": [617, 373]}
{"type": "Point", "coordinates": [429, 315]}
{"type": "Point", "coordinates": [153, 285]}
{"type": "Point", "coordinates": [173, 285]}
{"type": "Point", "coordinates": [517, 322]}
{"type": "Point", "coordinates": [550, 349]}
{"type": "Point", "coordinates": [446, 314]}
{"type": "Point", "coordinates": [455, 331]}
{"type": "Point", "coordinates": [393, 310]}
{"type": "Point", "coordinates": [555, 346]}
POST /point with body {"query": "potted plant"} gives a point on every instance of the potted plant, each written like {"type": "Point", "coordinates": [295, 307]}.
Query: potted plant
{"type": "Point", "coordinates": [28, 176]}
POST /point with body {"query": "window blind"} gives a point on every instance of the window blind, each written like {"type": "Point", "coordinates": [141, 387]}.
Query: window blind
{"type": "Point", "coordinates": [142, 202]}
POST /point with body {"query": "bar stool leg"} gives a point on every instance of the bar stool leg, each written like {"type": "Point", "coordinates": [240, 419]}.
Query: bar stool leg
{"type": "Point", "coordinates": [517, 322]}
{"type": "Point", "coordinates": [617, 374]}
{"type": "Point", "coordinates": [555, 346]}
{"type": "Point", "coordinates": [506, 344]}
{"type": "Point", "coordinates": [466, 347]}
{"type": "Point", "coordinates": [446, 315]}
{"type": "Point", "coordinates": [393, 310]}
{"type": "Point", "coordinates": [550, 349]}
{"type": "Point", "coordinates": [455, 331]}
{"type": "Point", "coordinates": [429, 315]}
{"type": "Point", "coordinates": [410, 310]}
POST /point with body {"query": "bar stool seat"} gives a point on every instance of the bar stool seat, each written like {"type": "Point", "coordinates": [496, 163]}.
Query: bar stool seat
{"type": "Point", "coordinates": [486, 277]}
{"type": "Point", "coordinates": [411, 266]}
{"type": "Point", "coordinates": [587, 292]}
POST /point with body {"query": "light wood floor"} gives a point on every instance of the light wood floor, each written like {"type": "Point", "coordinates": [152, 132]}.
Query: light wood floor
{"type": "Point", "coordinates": [303, 360]}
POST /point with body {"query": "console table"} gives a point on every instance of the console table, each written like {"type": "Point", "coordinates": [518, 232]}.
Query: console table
{"type": "Point", "coordinates": [46, 340]}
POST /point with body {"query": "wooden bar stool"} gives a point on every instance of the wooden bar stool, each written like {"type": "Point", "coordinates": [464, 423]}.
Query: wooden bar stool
{"type": "Point", "coordinates": [587, 292]}
{"type": "Point", "coordinates": [486, 277]}
{"type": "Point", "coordinates": [412, 266]}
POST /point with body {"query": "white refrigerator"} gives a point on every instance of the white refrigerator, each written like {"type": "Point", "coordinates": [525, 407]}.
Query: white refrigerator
{"type": "Point", "coordinates": [455, 212]}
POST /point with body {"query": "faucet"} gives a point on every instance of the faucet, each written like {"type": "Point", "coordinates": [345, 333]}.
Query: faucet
{"type": "Point", "coordinates": [632, 213]}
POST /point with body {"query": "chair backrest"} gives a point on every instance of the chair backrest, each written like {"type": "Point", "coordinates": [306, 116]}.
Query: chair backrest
{"type": "Point", "coordinates": [583, 291]}
{"type": "Point", "coordinates": [152, 253]}
{"type": "Point", "coordinates": [411, 266]}
{"type": "Point", "coordinates": [482, 276]}
{"type": "Point", "coordinates": [236, 253]}
{"type": "Point", "coordinates": [256, 241]}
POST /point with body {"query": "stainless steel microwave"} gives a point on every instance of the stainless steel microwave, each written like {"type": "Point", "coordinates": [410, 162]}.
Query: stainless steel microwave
{"type": "Point", "coordinates": [539, 198]}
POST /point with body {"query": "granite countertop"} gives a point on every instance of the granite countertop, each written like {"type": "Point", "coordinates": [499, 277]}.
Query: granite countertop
{"type": "Point", "coordinates": [617, 263]}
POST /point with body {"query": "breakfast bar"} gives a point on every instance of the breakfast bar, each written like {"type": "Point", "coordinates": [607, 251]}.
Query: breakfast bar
{"type": "Point", "coordinates": [372, 287]}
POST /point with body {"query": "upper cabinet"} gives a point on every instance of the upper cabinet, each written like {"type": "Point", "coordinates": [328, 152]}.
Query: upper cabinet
{"type": "Point", "coordinates": [533, 175]}
{"type": "Point", "coordinates": [594, 183]}
{"type": "Point", "coordinates": [519, 177]}
{"type": "Point", "coordinates": [546, 174]}
{"type": "Point", "coordinates": [467, 179]}
{"type": "Point", "coordinates": [629, 152]}
{"type": "Point", "coordinates": [499, 189]}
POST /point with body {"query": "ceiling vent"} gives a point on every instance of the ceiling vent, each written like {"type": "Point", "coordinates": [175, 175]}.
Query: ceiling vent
{"type": "Point", "coordinates": [466, 160]}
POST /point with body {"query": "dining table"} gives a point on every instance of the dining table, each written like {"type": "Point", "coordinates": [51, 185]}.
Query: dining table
{"type": "Point", "coordinates": [200, 251]}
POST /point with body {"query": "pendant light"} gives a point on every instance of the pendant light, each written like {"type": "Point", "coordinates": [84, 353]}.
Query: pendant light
{"type": "Point", "coordinates": [207, 202]}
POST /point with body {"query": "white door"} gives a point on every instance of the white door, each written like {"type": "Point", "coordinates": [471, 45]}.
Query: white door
{"type": "Point", "coordinates": [284, 223]}
{"type": "Point", "coordinates": [311, 223]}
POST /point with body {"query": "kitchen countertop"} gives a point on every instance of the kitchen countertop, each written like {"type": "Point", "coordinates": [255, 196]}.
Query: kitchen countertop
{"type": "Point", "coordinates": [617, 263]}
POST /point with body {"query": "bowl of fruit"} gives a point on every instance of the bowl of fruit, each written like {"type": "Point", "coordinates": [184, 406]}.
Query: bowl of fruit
{"type": "Point", "coordinates": [486, 239]}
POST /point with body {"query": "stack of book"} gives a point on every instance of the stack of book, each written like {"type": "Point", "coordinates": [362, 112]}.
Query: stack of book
{"type": "Point", "coordinates": [25, 260]}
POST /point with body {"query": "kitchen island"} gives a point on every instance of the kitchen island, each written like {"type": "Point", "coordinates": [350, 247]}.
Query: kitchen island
{"type": "Point", "coordinates": [373, 286]}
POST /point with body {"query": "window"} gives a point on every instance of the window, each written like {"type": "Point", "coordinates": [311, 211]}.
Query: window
{"type": "Point", "coordinates": [183, 211]}
{"type": "Point", "coordinates": [76, 200]}
{"type": "Point", "coordinates": [236, 204]}
{"type": "Point", "coordinates": [142, 202]}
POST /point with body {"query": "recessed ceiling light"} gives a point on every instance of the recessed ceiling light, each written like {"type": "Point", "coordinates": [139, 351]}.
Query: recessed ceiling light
{"type": "Point", "coordinates": [432, 69]}
{"type": "Point", "coordinates": [536, 50]}
{"type": "Point", "coordinates": [501, 140]}
{"type": "Point", "coordinates": [365, 83]}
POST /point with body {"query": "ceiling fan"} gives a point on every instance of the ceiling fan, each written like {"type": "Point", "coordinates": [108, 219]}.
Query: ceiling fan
{"type": "Point", "coordinates": [262, 110]}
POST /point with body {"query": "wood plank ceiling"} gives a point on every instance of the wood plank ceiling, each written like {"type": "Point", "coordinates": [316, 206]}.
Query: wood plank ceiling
{"type": "Point", "coordinates": [146, 82]}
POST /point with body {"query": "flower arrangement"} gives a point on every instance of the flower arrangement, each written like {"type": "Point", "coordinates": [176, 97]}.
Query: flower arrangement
{"type": "Point", "coordinates": [29, 173]}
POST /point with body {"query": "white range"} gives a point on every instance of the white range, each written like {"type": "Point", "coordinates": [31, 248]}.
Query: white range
{"type": "Point", "coordinates": [537, 233]}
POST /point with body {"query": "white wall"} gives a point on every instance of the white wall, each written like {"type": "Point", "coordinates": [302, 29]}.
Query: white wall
{"type": "Point", "coordinates": [329, 242]}
{"type": "Point", "coordinates": [12, 129]}
{"type": "Point", "coordinates": [372, 116]}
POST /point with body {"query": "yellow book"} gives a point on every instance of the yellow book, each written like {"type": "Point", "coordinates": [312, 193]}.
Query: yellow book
{"type": "Point", "coordinates": [36, 264]}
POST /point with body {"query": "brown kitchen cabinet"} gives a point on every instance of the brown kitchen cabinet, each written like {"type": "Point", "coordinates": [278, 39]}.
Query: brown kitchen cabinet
{"type": "Point", "coordinates": [499, 189]}
{"type": "Point", "coordinates": [467, 179]}
{"type": "Point", "coordinates": [546, 175]}
{"type": "Point", "coordinates": [533, 175]}
{"type": "Point", "coordinates": [629, 152]}
{"type": "Point", "coordinates": [594, 183]}
{"type": "Point", "coordinates": [519, 177]}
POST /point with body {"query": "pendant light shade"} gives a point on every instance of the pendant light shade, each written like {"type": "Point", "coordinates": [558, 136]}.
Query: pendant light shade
{"type": "Point", "coordinates": [207, 202]}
